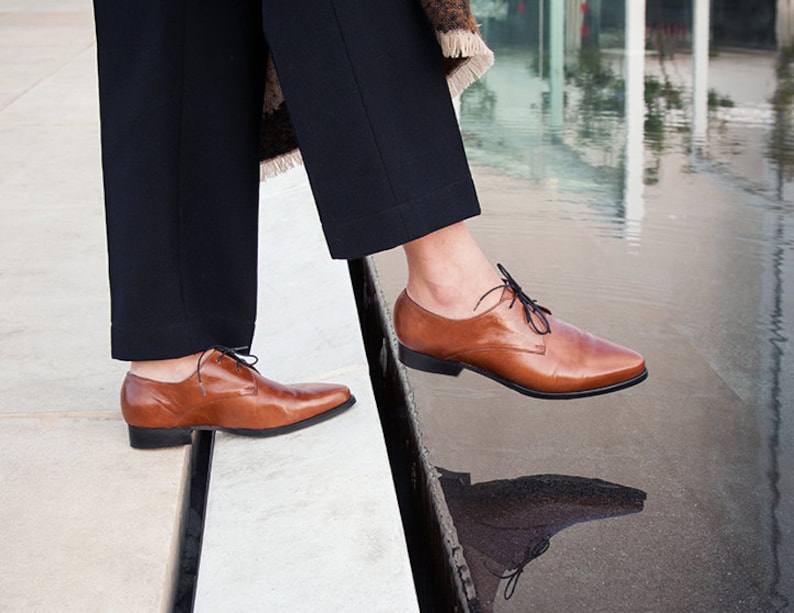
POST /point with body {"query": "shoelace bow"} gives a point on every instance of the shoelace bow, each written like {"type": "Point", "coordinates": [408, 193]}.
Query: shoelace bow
{"type": "Point", "coordinates": [232, 352]}
{"type": "Point", "coordinates": [531, 307]}
{"type": "Point", "coordinates": [530, 554]}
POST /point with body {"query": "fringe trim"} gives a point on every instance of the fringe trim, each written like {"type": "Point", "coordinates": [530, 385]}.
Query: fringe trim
{"type": "Point", "coordinates": [278, 165]}
{"type": "Point", "coordinates": [462, 43]}
{"type": "Point", "coordinates": [467, 73]}
{"type": "Point", "coordinates": [478, 58]}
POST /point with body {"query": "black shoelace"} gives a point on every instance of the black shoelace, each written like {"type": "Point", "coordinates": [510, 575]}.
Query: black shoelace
{"type": "Point", "coordinates": [530, 554]}
{"type": "Point", "coordinates": [233, 353]}
{"type": "Point", "coordinates": [532, 309]}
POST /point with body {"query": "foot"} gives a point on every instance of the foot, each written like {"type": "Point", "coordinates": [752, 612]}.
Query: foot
{"type": "Point", "coordinates": [517, 343]}
{"type": "Point", "coordinates": [223, 393]}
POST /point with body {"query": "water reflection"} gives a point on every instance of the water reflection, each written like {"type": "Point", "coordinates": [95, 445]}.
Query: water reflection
{"type": "Point", "coordinates": [588, 99]}
{"type": "Point", "coordinates": [781, 140]}
{"type": "Point", "coordinates": [780, 152]}
{"type": "Point", "coordinates": [704, 286]}
{"type": "Point", "coordinates": [558, 106]}
{"type": "Point", "coordinates": [504, 525]}
{"type": "Point", "coordinates": [700, 57]}
{"type": "Point", "coordinates": [778, 505]}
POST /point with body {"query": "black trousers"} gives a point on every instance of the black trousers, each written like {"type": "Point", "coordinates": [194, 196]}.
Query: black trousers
{"type": "Point", "coordinates": [181, 88]}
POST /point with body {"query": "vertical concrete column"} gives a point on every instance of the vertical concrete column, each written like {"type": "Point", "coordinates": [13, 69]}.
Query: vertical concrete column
{"type": "Point", "coordinates": [700, 73]}
{"type": "Point", "coordinates": [785, 23]}
{"type": "Point", "coordinates": [595, 22]}
{"type": "Point", "coordinates": [635, 115]}
{"type": "Point", "coordinates": [557, 64]}
{"type": "Point", "coordinates": [574, 21]}
{"type": "Point", "coordinates": [541, 36]}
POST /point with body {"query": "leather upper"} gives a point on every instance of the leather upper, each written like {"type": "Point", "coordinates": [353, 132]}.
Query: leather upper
{"type": "Point", "coordinates": [500, 341]}
{"type": "Point", "coordinates": [234, 396]}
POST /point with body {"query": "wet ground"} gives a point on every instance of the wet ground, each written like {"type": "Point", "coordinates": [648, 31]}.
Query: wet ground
{"type": "Point", "coordinates": [677, 494]}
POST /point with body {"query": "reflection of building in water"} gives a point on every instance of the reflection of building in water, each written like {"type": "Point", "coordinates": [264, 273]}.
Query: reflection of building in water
{"type": "Point", "coordinates": [737, 23]}
{"type": "Point", "coordinates": [490, 9]}
{"type": "Point", "coordinates": [506, 121]}
{"type": "Point", "coordinates": [542, 94]}
{"type": "Point", "coordinates": [504, 525]}
{"type": "Point", "coordinates": [749, 23]}
{"type": "Point", "coordinates": [780, 149]}
{"type": "Point", "coordinates": [544, 112]}
{"type": "Point", "coordinates": [784, 27]}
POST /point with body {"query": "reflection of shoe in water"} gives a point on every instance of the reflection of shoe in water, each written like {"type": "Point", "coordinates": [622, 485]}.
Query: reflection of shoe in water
{"type": "Point", "coordinates": [503, 525]}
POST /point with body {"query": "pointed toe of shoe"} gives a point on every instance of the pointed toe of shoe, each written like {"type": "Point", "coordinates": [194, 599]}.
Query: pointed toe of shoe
{"type": "Point", "coordinates": [600, 365]}
{"type": "Point", "coordinates": [318, 398]}
{"type": "Point", "coordinates": [617, 369]}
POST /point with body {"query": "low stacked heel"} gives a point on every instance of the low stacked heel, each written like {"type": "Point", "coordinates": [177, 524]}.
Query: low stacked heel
{"type": "Point", "coordinates": [157, 438]}
{"type": "Point", "coordinates": [427, 363]}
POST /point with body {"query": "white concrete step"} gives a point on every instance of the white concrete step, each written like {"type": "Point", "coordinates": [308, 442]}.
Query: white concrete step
{"type": "Point", "coordinates": [306, 521]}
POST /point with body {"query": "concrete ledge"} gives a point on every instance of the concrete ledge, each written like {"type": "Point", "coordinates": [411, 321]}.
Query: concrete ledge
{"type": "Point", "coordinates": [442, 578]}
{"type": "Point", "coordinates": [306, 521]}
{"type": "Point", "coordinates": [87, 524]}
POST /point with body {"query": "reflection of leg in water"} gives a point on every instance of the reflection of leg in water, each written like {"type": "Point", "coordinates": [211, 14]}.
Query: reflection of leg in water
{"type": "Point", "coordinates": [504, 525]}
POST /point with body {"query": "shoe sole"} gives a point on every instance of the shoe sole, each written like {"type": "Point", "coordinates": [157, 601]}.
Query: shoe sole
{"type": "Point", "coordinates": [158, 438]}
{"type": "Point", "coordinates": [428, 363]}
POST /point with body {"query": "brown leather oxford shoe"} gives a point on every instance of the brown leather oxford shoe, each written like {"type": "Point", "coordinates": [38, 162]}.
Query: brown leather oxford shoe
{"type": "Point", "coordinates": [225, 393]}
{"type": "Point", "coordinates": [517, 343]}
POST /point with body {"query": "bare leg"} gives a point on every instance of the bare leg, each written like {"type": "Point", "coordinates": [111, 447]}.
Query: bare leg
{"type": "Point", "coordinates": [168, 371]}
{"type": "Point", "coordinates": [448, 273]}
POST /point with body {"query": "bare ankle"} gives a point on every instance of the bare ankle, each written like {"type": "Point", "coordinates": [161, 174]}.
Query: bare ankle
{"type": "Point", "coordinates": [448, 273]}
{"type": "Point", "coordinates": [454, 301]}
{"type": "Point", "coordinates": [168, 371]}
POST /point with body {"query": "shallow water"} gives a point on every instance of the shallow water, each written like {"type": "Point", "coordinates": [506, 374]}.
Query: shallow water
{"type": "Point", "coordinates": [681, 249]}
